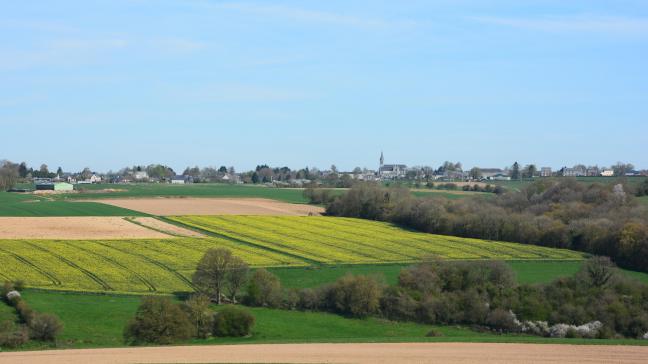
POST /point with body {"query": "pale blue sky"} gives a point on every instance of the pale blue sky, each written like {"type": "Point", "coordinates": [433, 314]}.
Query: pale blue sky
{"type": "Point", "coordinates": [107, 84]}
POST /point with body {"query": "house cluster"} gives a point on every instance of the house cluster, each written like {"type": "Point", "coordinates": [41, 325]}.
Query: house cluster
{"type": "Point", "coordinates": [593, 171]}
{"type": "Point", "coordinates": [65, 181]}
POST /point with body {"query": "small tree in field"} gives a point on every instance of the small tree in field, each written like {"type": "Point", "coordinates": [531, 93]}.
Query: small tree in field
{"type": "Point", "coordinates": [197, 308]}
{"type": "Point", "coordinates": [264, 289]}
{"type": "Point", "coordinates": [237, 276]}
{"type": "Point", "coordinates": [218, 271]}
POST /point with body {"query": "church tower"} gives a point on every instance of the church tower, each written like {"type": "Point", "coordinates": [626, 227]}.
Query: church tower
{"type": "Point", "coordinates": [382, 159]}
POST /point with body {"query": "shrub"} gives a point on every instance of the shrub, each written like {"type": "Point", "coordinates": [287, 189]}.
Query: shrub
{"type": "Point", "coordinates": [233, 321]}
{"type": "Point", "coordinates": [397, 305]}
{"type": "Point", "coordinates": [12, 335]}
{"type": "Point", "coordinates": [197, 309]}
{"type": "Point", "coordinates": [25, 312]}
{"type": "Point", "coordinates": [6, 288]}
{"type": "Point", "coordinates": [45, 327]}
{"type": "Point", "coordinates": [19, 285]}
{"type": "Point", "coordinates": [159, 321]}
{"type": "Point", "coordinates": [264, 289]}
{"type": "Point", "coordinates": [597, 271]}
{"type": "Point", "coordinates": [13, 297]}
{"type": "Point", "coordinates": [434, 333]}
{"type": "Point", "coordinates": [501, 320]}
{"type": "Point", "coordinates": [357, 296]}
{"type": "Point", "coordinates": [309, 299]}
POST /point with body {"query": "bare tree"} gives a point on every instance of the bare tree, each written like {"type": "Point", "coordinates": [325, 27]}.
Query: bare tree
{"type": "Point", "coordinates": [219, 271]}
{"type": "Point", "coordinates": [237, 276]}
{"type": "Point", "coordinates": [211, 273]}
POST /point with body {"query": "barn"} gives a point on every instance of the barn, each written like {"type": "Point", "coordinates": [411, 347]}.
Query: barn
{"type": "Point", "coordinates": [54, 186]}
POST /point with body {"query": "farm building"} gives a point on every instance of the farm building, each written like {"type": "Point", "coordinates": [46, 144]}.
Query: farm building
{"type": "Point", "coordinates": [545, 172]}
{"type": "Point", "coordinates": [181, 179]}
{"type": "Point", "coordinates": [54, 186]}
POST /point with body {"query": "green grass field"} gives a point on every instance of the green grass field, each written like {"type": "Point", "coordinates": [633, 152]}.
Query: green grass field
{"type": "Point", "coordinates": [98, 321]}
{"type": "Point", "coordinates": [643, 200]}
{"type": "Point", "coordinates": [525, 272]}
{"type": "Point", "coordinates": [19, 204]}
{"type": "Point", "coordinates": [293, 195]}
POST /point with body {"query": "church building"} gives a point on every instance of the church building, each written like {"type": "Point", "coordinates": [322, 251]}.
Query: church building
{"type": "Point", "coordinates": [390, 171]}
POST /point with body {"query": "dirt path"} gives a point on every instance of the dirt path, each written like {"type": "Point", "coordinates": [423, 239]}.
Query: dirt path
{"type": "Point", "coordinates": [77, 227]}
{"type": "Point", "coordinates": [343, 353]}
{"type": "Point", "coordinates": [164, 206]}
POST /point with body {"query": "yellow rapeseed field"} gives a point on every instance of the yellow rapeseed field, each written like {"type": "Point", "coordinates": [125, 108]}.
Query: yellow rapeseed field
{"type": "Point", "coordinates": [166, 265]}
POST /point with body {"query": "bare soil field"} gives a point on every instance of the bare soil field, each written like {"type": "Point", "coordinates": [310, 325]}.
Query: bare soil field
{"type": "Point", "coordinates": [163, 227]}
{"type": "Point", "coordinates": [78, 227]}
{"type": "Point", "coordinates": [212, 206]}
{"type": "Point", "coordinates": [343, 353]}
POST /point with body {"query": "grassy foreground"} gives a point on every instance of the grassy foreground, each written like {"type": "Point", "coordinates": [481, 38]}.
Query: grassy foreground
{"type": "Point", "coordinates": [93, 321]}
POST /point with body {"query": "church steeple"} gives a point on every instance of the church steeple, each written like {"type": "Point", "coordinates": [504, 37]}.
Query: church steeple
{"type": "Point", "coordinates": [382, 158]}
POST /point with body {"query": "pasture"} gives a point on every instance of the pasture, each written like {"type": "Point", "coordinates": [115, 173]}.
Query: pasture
{"type": "Point", "coordinates": [18, 204]}
{"type": "Point", "coordinates": [101, 191]}
{"type": "Point", "coordinates": [526, 272]}
{"type": "Point", "coordinates": [272, 325]}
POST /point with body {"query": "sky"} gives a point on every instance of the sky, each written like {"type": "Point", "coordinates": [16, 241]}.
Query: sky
{"type": "Point", "coordinates": [108, 84]}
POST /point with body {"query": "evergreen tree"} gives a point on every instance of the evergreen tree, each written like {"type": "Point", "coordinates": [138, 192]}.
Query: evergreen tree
{"type": "Point", "coordinates": [515, 171]}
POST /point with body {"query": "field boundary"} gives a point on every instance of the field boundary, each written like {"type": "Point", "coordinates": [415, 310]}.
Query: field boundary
{"type": "Point", "coordinates": [244, 242]}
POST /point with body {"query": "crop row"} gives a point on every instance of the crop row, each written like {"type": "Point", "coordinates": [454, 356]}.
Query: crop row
{"type": "Point", "coordinates": [139, 265]}
{"type": "Point", "coordinates": [346, 240]}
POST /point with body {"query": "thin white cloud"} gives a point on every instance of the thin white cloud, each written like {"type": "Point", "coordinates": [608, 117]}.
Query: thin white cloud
{"type": "Point", "coordinates": [233, 92]}
{"type": "Point", "coordinates": [311, 16]}
{"type": "Point", "coordinates": [180, 45]}
{"type": "Point", "coordinates": [584, 23]}
{"type": "Point", "coordinates": [73, 44]}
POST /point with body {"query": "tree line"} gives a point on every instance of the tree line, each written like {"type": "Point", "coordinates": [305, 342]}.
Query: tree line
{"type": "Point", "coordinates": [599, 219]}
{"type": "Point", "coordinates": [597, 302]}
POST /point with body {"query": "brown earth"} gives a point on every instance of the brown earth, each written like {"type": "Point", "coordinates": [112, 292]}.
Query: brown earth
{"type": "Point", "coordinates": [77, 227]}
{"type": "Point", "coordinates": [212, 206]}
{"type": "Point", "coordinates": [155, 224]}
{"type": "Point", "coordinates": [343, 353]}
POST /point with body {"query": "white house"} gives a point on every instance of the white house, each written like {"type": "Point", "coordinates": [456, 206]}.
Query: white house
{"type": "Point", "coordinates": [140, 175]}
{"type": "Point", "coordinates": [94, 179]}
{"type": "Point", "coordinates": [607, 173]}
{"type": "Point", "coordinates": [181, 180]}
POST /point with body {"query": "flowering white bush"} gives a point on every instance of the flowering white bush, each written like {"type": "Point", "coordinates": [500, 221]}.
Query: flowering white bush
{"type": "Point", "coordinates": [559, 330]}
{"type": "Point", "coordinates": [539, 328]}
{"type": "Point", "coordinates": [12, 295]}
{"type": "Point", "coordinates": [645, 336]}
{"type": "Point", "coordinates": [590, 329]}
{"type": "Point", "coordinates": [542, 328]}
